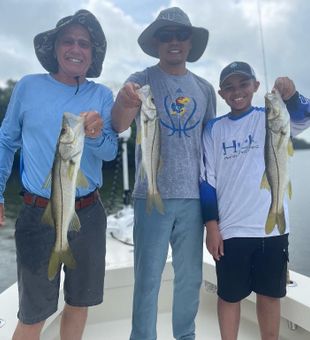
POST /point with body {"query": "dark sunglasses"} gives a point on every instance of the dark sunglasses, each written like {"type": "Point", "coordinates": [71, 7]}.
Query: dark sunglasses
{"type": "Point", "coordinates": [166, 36]}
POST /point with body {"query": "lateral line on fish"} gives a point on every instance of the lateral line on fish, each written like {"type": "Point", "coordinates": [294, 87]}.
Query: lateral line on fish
{"type": "Point", "coordinates": [62, 202]}
{"type": "Point", "coordinates": [278, 172]}
{"type": "Point", "coordinates": [154, 184]}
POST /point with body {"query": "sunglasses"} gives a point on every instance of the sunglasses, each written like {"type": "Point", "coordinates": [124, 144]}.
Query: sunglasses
{"type": "Point", "coordinates": [166, 36]}
{"type": "Point", "coordinates": [70, 42]}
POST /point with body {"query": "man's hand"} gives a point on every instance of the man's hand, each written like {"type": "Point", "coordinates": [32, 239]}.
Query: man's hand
{"type": "Point", "coordinates": [285, 86]}
{"type": "Point", "coordinates": [126, 107]}
{"type": "Point", "coordinates": [128, 97]}
{"type": "Point", "coordinates": [93, 124]}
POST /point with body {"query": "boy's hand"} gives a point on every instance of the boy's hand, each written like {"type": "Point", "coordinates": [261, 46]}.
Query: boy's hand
{"type": "Point", "coordinates": [214, 241]}
{"type": "Point", "coordinates": [285, 86]}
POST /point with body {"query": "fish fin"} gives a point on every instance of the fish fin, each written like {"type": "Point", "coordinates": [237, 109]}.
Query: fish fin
{"type": "Point", "coordinates": [48, 182]}
{"type": "Point", "coordinates": [264, 183]}
{"type": "Point", "coordinates": [154, 199]}
{"type": "Point", "coordinates": [56, 259]}
{"type": "Point", "coordinates": [281, 139]}
{"type": "Point", "coordinates": [47, 217]}
{"type": "Point", "coordinates": [75, 224]}
{"type": "Point", "coordinates": [71, 170]}
{"type": "Point", "coordinates": [290, 148]}
{"type": "Point", "coordinates": [138, 137]}
{"type": "Point", "coordinates": [271, 222]}
{"type": "Point", "coordinates": [81, 180]}
{"type": "Point", "coordinates": [53, 265]}
{"type": "Point", "coordinates": [289, 189]}
{"type": "Point", "coordinates": [281, 222]}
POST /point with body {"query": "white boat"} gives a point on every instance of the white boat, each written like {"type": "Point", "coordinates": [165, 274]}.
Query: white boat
{"type": "Point", "coordinates": [112, 319]}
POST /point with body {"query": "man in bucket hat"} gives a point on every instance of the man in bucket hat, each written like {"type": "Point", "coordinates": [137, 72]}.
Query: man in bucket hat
{"type": "Point", "coordinates": [184, 103]}
{"type": "Point", "coordinates": [70, 52]}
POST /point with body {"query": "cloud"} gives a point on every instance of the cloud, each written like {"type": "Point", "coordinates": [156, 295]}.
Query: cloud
{"type": "Point", "coordinates": [233, 26]}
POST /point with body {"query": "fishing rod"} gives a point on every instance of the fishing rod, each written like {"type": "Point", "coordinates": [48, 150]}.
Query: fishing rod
{"type": "Point", "coordinates": [261, 34]}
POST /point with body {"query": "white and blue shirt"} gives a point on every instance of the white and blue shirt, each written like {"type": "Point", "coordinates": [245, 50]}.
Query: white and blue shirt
{"type": "Point", "coordinates": [233, 167]}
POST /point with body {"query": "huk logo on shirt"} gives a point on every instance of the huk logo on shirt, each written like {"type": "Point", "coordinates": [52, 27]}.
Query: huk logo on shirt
{"type": "Point", "coordinates": [234, 148]}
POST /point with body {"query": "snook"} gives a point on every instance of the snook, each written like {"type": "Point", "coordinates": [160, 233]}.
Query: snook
{"type": "Point", "coordinates": [64, 178]}
{"type": "Point", "coordinates": [278, 147]}
{"type": "Point", "coordinates": [150, 146]}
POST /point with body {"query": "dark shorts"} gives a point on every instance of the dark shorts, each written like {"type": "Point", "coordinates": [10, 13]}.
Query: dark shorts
{"type": "Point", "coordinates": [83, 286]}
{"type": "Point", "coordinates": [252, 264]}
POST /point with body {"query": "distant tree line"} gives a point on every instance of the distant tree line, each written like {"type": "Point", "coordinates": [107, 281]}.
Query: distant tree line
{"type": "Point", "coordinates": [5, 95]}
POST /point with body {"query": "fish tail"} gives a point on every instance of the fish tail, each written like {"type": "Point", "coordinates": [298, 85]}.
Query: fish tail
{"type": "Point", "coordinates": [56, 259]}
{"type": "Point", "coordinates": [281, 222]}
{"type": "Point", "coordinates": [271, 222]}
{"type": "Point", "coordinates": [159, 203]}
{"type": "Point", "coordinates": [274, 219]}
{"type": "Point", "coordinates": [154, 199]}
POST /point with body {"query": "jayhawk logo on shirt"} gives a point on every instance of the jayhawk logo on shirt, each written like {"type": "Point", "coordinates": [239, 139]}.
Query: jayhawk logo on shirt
{"type": "Point", "coordinates": [180, 115]}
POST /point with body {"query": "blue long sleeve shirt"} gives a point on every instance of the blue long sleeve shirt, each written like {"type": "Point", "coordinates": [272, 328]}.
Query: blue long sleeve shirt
{"type": "Point", "coordinates": [33, 122]}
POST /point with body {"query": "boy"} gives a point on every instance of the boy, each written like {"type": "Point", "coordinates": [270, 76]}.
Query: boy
{"type": "Point", "coordinates": [235, 208]}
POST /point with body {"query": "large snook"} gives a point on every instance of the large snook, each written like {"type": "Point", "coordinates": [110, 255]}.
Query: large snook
{"type": "Point", "coordinates": [64, 178]}
{"type": "Point", "coordinates": [278, 147]}
{"type": "Point", "coordinates": [150, 146]}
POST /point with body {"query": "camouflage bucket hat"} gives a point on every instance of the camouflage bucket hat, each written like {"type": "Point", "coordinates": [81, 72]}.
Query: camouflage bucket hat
{"type": "Point", "coordinates": [174, 16]}
{"type": "Point", "coordinates": [44, 42]}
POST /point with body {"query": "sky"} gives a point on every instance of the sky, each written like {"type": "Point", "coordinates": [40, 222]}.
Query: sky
{"type": "Point", "coordinates": [268, 34]}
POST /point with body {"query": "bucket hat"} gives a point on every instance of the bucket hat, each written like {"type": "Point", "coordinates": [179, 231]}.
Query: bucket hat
{"type": "Point", "coordinates": [237, 67]}
{"type": "Point", "coordinates": [44, 42]}
{"type": "Point", "coordinates": [174, 16]}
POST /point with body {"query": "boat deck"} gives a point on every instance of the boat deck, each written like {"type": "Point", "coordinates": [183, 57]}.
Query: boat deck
{"type": "Point", "coordinates": [112, 319]}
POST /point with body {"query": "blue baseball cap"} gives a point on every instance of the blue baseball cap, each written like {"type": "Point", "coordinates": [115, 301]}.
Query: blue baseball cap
{"type": "Point", "coordinates": [237, 67]}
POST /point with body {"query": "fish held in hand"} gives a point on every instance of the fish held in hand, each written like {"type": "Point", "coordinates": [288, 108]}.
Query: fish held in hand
{"type": "Point", "coordinates": [150, 146]}
{"type": "Point", "coordinates": [278, 148]}
{"type": "Point", "coordinates": [64, 178]}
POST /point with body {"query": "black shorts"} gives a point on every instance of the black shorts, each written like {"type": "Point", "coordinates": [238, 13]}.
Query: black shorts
{"type": "Point", "coordinates": [83, 286]}
{"type": "Point", "coordinates": [252, 264]}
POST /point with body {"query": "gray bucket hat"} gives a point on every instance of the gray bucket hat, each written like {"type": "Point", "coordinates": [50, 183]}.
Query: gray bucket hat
{"type": "Point", "coordinates": [174, 16]}
{"type": "Point", "coordinates": [44, 42]}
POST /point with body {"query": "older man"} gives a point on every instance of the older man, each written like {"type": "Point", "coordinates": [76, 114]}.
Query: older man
{"type": "Point", "coordinates": [70, 52]}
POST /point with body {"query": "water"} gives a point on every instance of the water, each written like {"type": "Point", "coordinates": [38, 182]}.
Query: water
{"type": "Point", "coordinates": [300, 213]}
{"type": "Point", "coordinates": [299, 216]}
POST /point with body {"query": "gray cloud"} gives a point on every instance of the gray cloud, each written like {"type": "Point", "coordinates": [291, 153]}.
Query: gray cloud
{"type": "Point", "coordinates": [233, 26]}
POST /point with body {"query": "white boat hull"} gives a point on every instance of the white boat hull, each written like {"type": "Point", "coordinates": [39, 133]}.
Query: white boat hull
{"type": "Point", "coordinates": [112, 319]}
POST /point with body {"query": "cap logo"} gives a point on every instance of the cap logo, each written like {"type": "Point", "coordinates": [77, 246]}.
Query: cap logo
{"type": "Point", "coordinates": [233, 65]}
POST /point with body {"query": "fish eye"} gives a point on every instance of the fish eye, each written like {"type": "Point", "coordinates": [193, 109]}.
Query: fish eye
{"type": "Point", "coordinates": [268, 109]}
{"type": "Point", "coordinates": [63, 130]}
